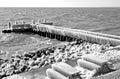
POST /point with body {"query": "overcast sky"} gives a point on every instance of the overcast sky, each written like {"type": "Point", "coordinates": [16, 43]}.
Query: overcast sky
{"type": "Point", "coordinates": [60, 3]}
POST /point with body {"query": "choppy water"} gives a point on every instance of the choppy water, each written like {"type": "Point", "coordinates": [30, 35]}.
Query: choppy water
{"type": "Point", "coordinates": [102, 19]}
{"type": "Point", "coordinates": [106, 20]}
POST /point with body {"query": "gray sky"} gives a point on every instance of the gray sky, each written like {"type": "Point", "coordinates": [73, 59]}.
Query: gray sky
{"type": "Point", "coordinates": [60, 3]}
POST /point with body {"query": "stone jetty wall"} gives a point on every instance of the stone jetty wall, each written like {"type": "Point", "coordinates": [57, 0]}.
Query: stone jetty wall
{"type": "Point", "coordinates": [67, 33]}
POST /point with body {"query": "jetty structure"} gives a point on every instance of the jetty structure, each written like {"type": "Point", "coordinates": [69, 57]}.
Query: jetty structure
{"type": "Point", "coordinates": [62, 33]}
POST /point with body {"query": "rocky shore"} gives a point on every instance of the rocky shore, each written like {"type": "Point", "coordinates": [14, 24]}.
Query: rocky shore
{"type": "Point", "coordinates": [28, 61]}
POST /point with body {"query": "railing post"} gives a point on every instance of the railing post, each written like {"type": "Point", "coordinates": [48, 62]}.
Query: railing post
{"type": "Point", "coordinates": [32, 24]}
{"type": "Point", "coordinates": [9, 25]}
{"type": "Point", "coordinates": [23, 22]}
{"type": "Point", "coordinates": [38, 21]}
{"type": "Point", "coordinates": [16, 22]}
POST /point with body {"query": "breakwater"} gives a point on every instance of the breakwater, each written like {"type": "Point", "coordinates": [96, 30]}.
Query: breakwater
{"type": "Point", "coordinates": [77, 34]}
{"type": "Point", "coordinates": [65, 34]}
